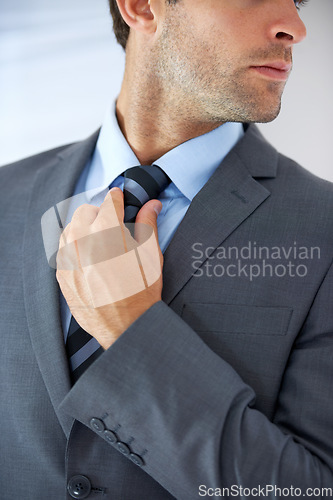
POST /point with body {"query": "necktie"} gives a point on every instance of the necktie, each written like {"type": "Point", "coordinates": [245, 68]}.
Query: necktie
{"type": "Point", "coordinates": [141, 184]}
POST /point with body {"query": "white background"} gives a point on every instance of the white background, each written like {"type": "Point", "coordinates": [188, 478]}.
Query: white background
{"type": "Point", "coordinates": [60, 70]}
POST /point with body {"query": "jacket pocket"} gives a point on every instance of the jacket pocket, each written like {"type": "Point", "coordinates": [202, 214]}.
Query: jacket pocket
{"type": "Point", "coordinates": [236, 318]}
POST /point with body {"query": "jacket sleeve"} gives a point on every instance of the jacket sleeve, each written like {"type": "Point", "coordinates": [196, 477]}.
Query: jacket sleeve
{"type": "Point", "coordinates": [190, 416]}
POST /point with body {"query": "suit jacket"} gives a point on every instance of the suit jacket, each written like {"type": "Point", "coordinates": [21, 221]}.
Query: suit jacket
{"type": "Point", "coordinates": [227, 382]}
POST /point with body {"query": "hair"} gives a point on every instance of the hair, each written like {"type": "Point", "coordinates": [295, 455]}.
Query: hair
{"type": "Point", "coordinates": [120, 28]}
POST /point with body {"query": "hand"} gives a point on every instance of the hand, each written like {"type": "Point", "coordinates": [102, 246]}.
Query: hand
{"type": "Point", "coordinates": [107, 277]}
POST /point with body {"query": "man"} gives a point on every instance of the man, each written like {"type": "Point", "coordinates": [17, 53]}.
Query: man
{"type": "Point", "coordinates": [224, 387]}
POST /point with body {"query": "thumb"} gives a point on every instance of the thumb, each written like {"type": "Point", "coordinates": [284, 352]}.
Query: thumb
{"type": "Point", "coordinates": [147, 215]}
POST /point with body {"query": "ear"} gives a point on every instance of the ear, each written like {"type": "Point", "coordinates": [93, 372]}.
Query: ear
{"type": "Point", "coordinates": [138, 14]}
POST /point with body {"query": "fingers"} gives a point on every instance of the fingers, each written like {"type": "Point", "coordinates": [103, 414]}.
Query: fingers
{"type": "Point", "coordinates": [111, 212]}
{"type": "Point", "coordinates": [80, 224]}
{"type": "Point", "coordinates": [94, 234]}
{"type": "Point", "coordinates": [147, 215]}
{"type": "Point", "coordinates": [146, 234]}
{"type": "Point", "coordinates": [88, 219]}
{"type": "Point", "coordinates": [85, 214]}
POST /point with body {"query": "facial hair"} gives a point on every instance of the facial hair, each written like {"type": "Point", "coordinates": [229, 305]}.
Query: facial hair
{"type": "Point", "coordinates": [215, 85]}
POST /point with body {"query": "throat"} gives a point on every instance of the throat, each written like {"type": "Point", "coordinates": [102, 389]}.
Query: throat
{"type": "Point", "coordinates": [152, 134]}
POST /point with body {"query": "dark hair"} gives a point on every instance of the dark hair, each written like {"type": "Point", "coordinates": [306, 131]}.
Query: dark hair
{"type": "Point", "coordinates": [120, 28]}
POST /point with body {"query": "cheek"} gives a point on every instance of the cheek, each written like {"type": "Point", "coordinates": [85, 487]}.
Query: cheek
{"type": "Point", "coordinates": [234, 24]}
{"type": "Point", "coordinates": [232, 38]}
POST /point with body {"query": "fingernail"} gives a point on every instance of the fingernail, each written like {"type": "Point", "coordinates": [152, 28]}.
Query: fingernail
{"type": "Point", "coordinates": [158, 209]}
{"type": "Point", "coordinates": [112, 190]}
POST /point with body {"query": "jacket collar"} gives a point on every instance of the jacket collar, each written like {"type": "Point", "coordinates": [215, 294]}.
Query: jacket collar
{"type": "Point", "coordinates": [229, 197]}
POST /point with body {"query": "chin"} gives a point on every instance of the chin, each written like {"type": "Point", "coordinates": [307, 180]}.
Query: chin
{"type": "Point", "coordinates": [256, 117]}
{"type": "Point", "coordinates": [264, 115]}
{"type": "Point", "coordinates": [250, 111]}
{"type": "Point", "coordinates": [268, 117]}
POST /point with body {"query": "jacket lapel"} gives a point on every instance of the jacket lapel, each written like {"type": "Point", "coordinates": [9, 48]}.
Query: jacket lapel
{"type": "Point", "coordinates": [227, 199]}
{"type": "Point", "coordinates": [53, 183]}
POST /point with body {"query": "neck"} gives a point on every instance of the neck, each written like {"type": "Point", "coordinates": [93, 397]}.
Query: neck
{"type": "Point", "coordinates": [153, 119]}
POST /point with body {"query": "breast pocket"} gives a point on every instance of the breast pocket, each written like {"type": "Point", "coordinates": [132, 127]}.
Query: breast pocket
{"type": "Point", "coordinates": [254, 340]}
{"type": "Point", "coordinates": [237, 319]}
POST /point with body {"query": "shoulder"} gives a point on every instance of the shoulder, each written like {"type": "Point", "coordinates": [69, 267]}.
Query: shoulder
{"type": "Point", "coordinates": [288, 178]}
{"type": "Point", "coordinates": [36, 159]}
{"type": "Point", "coordinates": [304, 189]}
{"type": "Point", "coordinates": [18, 177]}
{"type": "Point", "coordinates": [303, 203]}
{"type": "Point", "coordinates": [301, 177]}
{"type": "Point", "coordinates": [299, 202]}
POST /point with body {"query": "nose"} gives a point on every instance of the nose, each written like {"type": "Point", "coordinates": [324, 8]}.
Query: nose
{"type": "Point", "coordinates": [287, 26]}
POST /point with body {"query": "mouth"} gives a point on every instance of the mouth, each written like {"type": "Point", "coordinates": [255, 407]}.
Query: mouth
{"type": "Point", "coordinates": [277, 70]}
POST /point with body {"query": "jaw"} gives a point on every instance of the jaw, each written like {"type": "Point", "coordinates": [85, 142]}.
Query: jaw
{"type": "Point", "coordinates": [241, 99]}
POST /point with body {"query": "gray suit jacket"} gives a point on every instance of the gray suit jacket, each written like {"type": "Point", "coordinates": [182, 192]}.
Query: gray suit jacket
{"type": "Point", "coordinates": [227, 382]}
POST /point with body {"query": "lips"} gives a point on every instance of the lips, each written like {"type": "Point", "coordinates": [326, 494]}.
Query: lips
{"type": "Point", "coordinates": [277, 70]}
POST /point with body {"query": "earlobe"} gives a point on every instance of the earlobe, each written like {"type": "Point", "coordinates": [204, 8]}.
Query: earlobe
{"type": "Point", "coordinates": [137, 14]}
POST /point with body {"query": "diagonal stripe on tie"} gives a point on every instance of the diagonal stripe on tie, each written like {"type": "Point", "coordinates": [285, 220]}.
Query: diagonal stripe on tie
{"type": "Point", "coordinates": [76, 341]}
{"type": "Point", "coordinates": [76, 374]}
{"type": "Point", "coordinates": [82, 349]}
{"type": "Point", "coordinates": [145, 178]}
{"type": "Point", "coordinates": [134, 200]}
{"type": "Point", "coordinates": [137, 191]}
{"type": "Point", "coordinates": [141, 184]}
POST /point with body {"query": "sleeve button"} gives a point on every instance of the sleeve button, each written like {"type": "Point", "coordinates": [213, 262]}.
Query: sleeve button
{"type": "Point", "coordinates": [97, 425]}
{"type": "Point", "coordinates": [123, 448]}
{"type": "Point", "coordinates": [110, 436]}
{"type": "Point", "coordinates": [136, 459]}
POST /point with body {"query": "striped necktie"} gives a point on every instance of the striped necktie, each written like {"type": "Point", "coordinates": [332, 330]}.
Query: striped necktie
{"type": "Point", "coordinates": [141, 184]}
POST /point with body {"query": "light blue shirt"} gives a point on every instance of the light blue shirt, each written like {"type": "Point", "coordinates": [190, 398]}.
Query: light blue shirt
{"type": "Point", "coordinates": [189, 166]}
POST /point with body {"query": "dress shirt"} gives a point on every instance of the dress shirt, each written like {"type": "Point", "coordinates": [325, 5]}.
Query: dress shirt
{"type": "Point", "coordinates": [189, 166]}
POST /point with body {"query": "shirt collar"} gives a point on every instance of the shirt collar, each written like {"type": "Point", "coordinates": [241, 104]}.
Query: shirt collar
{"type": "Point", "coordinates": [189, 165]}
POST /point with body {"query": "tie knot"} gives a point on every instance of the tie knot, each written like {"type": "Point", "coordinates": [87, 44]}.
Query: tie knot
{"type": "Point", "coordinates": [141, 184]}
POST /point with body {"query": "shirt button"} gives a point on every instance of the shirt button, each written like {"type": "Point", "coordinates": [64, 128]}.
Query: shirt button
{"type": "Point", "coordinates": [79, 487]}
{"type": "Point", "coordinates": [123, 448]}
{"type": "Point", "coordinates": [97, 425]}
{"type": "Point", "coordinates": [110, 436]}
{"type": "Point", "coordinates": [136, 459]}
